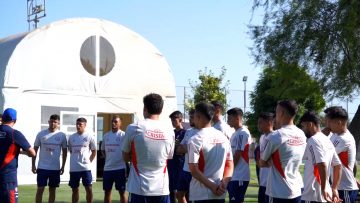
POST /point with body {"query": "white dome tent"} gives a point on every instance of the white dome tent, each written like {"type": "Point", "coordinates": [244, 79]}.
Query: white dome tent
{"type": "Point", "coordinates": [79, 67]}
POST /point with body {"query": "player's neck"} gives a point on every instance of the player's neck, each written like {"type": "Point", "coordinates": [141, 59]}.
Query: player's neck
{"type": "Point", "coordinates": [154, 117]}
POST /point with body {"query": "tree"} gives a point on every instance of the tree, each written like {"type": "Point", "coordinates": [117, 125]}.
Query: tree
{"type": "Point", "coordinates": [210, 88]}
{"type": "Point", "coordinates": [283, 81]}
{"type": "Point", "coordinates": [323, 36]}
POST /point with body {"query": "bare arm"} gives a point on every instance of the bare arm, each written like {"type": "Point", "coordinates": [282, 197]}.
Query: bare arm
{"type": "Point", "coordinates": [64, 156]}
{"type": "Point", "coordinates": [237, 156]}
{"type": "Point", "coordinates": [323, 180]}
{"type": "Point", "coordinates": [228, 172]}
{"type": "Point", "coordinates": [263, 163]}
{"type": "Point", "coordinates": [30, 152]}
{"type": "Point", "coordinates": [33, 160]}
{"type": "Point", "coordinates": [181, 149]}
{"type": "Point", "coordinates": [335, 182]}
{"type": "Point", "coordinates": [126, 156]}
{"type": "Point", "coordinates": [93, 154]}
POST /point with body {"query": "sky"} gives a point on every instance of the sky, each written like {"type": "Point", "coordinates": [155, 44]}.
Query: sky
{"type": "Point", "coordinates": [191, 34]}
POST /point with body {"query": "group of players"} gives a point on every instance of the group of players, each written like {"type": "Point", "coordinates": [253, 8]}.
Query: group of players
{"type": "Point", "coordinates": [200, 164]}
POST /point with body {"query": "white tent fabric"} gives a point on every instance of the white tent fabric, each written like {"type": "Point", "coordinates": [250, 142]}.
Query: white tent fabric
{"type": "Point", "coordinates": [43, 68]}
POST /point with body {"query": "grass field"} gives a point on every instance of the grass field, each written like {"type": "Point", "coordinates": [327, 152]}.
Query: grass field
{"type": "Point", "coordinates": [27, 192]}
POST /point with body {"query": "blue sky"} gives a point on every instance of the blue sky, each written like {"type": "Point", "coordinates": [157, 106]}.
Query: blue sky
{"type": "Point", "coordinates": [191, 34]}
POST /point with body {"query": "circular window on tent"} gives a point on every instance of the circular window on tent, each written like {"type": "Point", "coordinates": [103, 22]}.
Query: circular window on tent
{"type": "Point", "coordinates": [105, 56]}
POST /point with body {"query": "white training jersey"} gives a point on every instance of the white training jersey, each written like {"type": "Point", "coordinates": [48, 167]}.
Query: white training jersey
{"type": "Point", "coordinates": [285, 148]}
{"type": "Point", "coordinates": [319, 149]}
{"type": "Point", "coordinates": [151, 143]}
{"type": "Point", "coordinates": [112, 145]}
{"type": "Point", "coordinates": [50, 144]}
{"type": "Point", "coordinates": [80, 147]}
{"type": "Point", "coordinates": [208, 148]}
{"type": "Point", "coordinates": [224, 128]}
{"type": "Point", "coordinates": [240, 141]}
{"type": "Point", "coordinates": [264, 171]}
{"type": "Point", "coordinates": [188, 134]}
{"type": "Point", "coordinates": [346, 149]}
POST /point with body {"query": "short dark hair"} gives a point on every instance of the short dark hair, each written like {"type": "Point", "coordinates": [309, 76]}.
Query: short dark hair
{"type": "Point", "coordinates": [116, 117]}
{"type": "Point", "coordinates": [331, 108]}
{"type": "Point", "coordinates": [338, 113]}
{"type": "Point", "coordinates": [206, 109]}
{"type": "Point", "coordinates": [290, 107]}
{"type": "Point", "coordinates": [310, 116]}
{"type": "Point", "coordinates": [81, 120]}
{"type": "Point", "coordinates": [153, 103]}
{"type": "Point", "coordinates": [235, 112]}
{"type": "Point", "coordinates": [218, 104]}
{"type": "Point", "coordinates": [54, 117]}
{"type": "Point", "coordinates": [268, 116]}
{"type": "Point", "coordinates": [176, 114]}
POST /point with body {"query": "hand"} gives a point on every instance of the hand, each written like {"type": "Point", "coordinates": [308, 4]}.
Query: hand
{"type": "Point", "coordinates": [33, 169]}
{"type": "Point", "coordinates": [326, 196]}
{"type": "Point", "coordinates": [335, 197]}
{"type": "Point", "coordinates": [62, 170]}
{"type": "Point", "coordinates": [222, 187]}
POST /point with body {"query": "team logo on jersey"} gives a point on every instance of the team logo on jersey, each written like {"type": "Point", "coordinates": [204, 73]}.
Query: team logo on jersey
{"type": "Point", "coordinates": [296, 141]}
{"type": "Point", "coordinates": [155, 134]}
{"type": "Point", "coordinates": [85, 139]}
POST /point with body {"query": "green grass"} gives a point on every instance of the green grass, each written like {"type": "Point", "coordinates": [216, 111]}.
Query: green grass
{"type": "Point", "coordinates": [63, 194]}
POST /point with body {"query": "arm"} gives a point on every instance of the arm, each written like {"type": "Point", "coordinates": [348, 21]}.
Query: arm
{"type": "Point", "coordinates": [228, 172]}
{"type": "Point", "coordinates": [93, 154]}
{"type": "Point", "coordinates": [30, 152]}
{"type": "Point", "coordinates": [335, 182]}
{"type": "Point", "coordinates": [33, 160]}
{"type": "Point", "coordinates": [323, 180]}
{"type": "Point", "coordinates": [237, 156]}
{"type": "Point", "coordinates": [64, 156]}
{"type": "Point", "coordinates": [197, 174]}
{"type": "Point", "coordinates": [126, 156]}
{"type": "Point", "coordinates": [181, 149]}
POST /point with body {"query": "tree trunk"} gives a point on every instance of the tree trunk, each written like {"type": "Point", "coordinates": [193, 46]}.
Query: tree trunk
{"type": "Point", "coordinates": [354, 128]}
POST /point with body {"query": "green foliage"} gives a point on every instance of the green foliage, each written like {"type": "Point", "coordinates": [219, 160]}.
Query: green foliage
{"type": "Point", "coordinates": [323, 36]}
{"type": "Point", "coordinates": [284, 81]}
{"type": "Point", "coordinates": [209, 88]}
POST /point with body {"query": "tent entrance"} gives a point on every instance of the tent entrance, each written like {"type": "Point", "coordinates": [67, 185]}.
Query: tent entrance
{"type": "Point", "coordinates": [104, 126]}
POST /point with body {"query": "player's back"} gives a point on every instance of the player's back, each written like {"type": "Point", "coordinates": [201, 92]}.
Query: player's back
{"type": "Point", "coordinates": [288, 146]}
{"type": "Point", "coordinates": [152, 143]}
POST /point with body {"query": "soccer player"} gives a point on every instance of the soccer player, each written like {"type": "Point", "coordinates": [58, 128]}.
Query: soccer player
{"type": "Point", "coordinates": [114, 169]}
{"type": "Point", "coordinates": [265, 125]}
{"type": "Point", "coordinates": [240, 142]}
{"type": "Point", "coordinates": [218, 122]}
{"type": "Point", "coordinates": [344, 144]}
{"type": "Point", "coordinates": [182, 189]}
{"type": "Point", "coordinates": [285, 149]}
{"type": "Point", "coordinates": [82, 149]}
{"type": "Point", "coordinates": [176, 164]}
{"type": "Point", "coordinates": [320, 157]}
{"type": "Point", "coordinates": [148, 144]}
{"type": "Point", "coordinates": [50, 141]}
{"type": "Point", "coordinates": [210, 159]}
{"type": "Point", "coordinates": [11, 142]}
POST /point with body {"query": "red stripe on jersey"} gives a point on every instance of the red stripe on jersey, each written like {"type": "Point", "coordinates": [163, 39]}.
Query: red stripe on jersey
{"type": "Point", "coordinates": [10, 155]}
{"type": "Point", "coordinates": [245, 153]}
{"type": "Point", "coordinates": [201, 164]}
{"type": "Point", "coordinates": [165, 166]}
{"type": "Point", "coordinates": [12, 196]}
{"type": "Point", "coordinates": [133, 157]}
{"type": "Point", "coordinates": [317, 174]}
{"type": "Point", "coordinates": [344, 158]}
{"type": "Point", "coordinates": [277, 164]}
